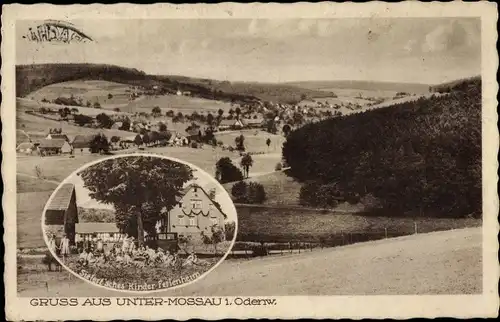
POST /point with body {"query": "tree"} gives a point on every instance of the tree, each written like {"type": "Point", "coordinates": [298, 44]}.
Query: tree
{"type": "Point", "coordinates": [216, 237]}
{"type": "Point", "coordinates": [268, 142]}
{"type": "Point", "coordinates": [226, 171]}
{"type": "Point", "coordinates": [298, 118]}
{"type": "Point", "coordinates": [115, 139]}
{"type": "Point", "coordinates": [239, 192]}
{"type": "Point", "coordinates": [210, 119]}
{"type": "Point", "coordinates": [256, 193]}
{"type": "Point", "coordinates": [116, 109]}
{"type": "Point", "coordinates": [170, 113]}
{"type": "Point", "coordinates": [110, 96]}
{"type": "Point", "coordinates": [125, 125]}
{"type": "Point", "coordinates": [238, 112]}
{"type": "Point", "coordinates": [138, 140]}
{"type": "Point", "coordinates": [156, 111]}
{"type": "Point", "coordinates": [286, 129]}
{"type": "Point", "coordinates": [126, 184]}
{"type": "Point", "coordinates": [146, 139]}
{"type": "Point", "coordinates": [99, 144]}
{"type": "Point", "coordinates": [240, 142]}
{"type": "Point", "coordinates": [162, 127]}
{"type": "Point", "coordinates": [97, 105]}
{"type": "Point", "coordinates": [74, 110]}
{"type": "Point", "coordinates": [104, 120]}
{"type": "Point", "coordinates": [89, 104]}
{"type": "Point", "coordinates": [231, 112]}
{"type": "Point", "coordinates": [246, 163]}
{"type": "Point", "coordinates": [82, 120]}
{"type": "Point", "coordinates": [220, 112]}
{"type": "Point", "coordinates": [230, 229]}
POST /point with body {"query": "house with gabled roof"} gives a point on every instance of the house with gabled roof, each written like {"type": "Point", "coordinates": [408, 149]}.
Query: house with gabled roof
{"type": "Point", "coordinates": [195, 213]}
{"type": "Point", "coordinates": [81, 143]}
{"type": "Point", "coordinates": [53, 146]}
{"type": "Point", "coordinates": [61, 213]}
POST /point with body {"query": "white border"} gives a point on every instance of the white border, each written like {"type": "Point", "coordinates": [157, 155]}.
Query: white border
{"type": "Point", "coordinates": [462, 306]}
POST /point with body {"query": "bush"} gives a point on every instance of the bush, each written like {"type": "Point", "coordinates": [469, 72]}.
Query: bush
{"type": "Point", "coordinates": [278, 167]}
{"type": "Point", "coordinates": [259, 250]}
{"type": "Point", "coordinates": [239, 192]}
{"type": "Point", "coordinates": [194, 145]}
{"type": "Point", "coordinates": [256, 193]}
{"type": "Point", "coordinates": [227, 171]}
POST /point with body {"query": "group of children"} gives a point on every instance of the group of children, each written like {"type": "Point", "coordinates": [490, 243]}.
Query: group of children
{"type": "Point", "coordinates": [127, 254]}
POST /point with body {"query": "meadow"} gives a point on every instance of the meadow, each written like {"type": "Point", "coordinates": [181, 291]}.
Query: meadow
{"type": "Point", "coordinates": [88, 90]}
{"type": "Point", "coordinates": [289, 224]}
{"type": "Point", "coordinates": [183, 104]}
{"type": "Point", "coordinates": [37, 127]}
{"type": "Point", "coordinates": [255, 140]}
{"type": "Point", "coordinates": [280, 188]}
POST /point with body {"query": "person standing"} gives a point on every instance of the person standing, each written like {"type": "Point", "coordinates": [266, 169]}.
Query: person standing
{"type": "Point", "coordinates": [52, 243]}
{"type": "Point", "coordinates": [64, 246]}
{"type": "Point", "coordinates": [100, 245]}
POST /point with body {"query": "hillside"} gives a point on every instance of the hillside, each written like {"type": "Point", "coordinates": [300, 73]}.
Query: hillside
{"type": "Point", "coordinates": [95, 215]}
{"type": "Point", "coordinates": [280, 188]}
{"type": "Point", "coordinates": [363, 85]}
{"type": "Point", "coordinates": [30, 78]}
{"type": "Point", "coordinates": [438, 263]}
{"type": "Point", "coordinates": [421, 156]}
{"type": "Point", "coordinates": [457, 85]}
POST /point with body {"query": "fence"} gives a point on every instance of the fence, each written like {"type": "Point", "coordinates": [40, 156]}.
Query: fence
{"type": "Point", "coordinates": [270, 246]}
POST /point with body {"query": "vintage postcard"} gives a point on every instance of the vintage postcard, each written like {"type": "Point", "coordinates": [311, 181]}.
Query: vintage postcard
{"type": "Point", "coordinates": [330, 160]}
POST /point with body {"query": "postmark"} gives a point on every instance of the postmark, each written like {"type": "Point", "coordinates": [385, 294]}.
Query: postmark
{"type": "Point", "coordinates": [56, 31]}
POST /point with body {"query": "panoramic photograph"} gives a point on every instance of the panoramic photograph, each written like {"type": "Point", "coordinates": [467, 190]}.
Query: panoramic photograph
{"type": "Point", "coordinates": [138, 223]}
{"type": "Point", "coordinates": [350, 147]}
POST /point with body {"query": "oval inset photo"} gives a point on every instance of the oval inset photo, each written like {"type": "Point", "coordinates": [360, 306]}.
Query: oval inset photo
{"type": "Point", "coordinates": [139, 223]}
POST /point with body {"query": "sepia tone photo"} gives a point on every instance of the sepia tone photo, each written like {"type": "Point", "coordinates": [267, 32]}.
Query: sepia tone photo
{"type": "Point", "coordinates": [335, 156]}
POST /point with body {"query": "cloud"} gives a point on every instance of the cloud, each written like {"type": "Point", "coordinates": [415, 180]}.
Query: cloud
{"type": "Point", "coordinates": [448, 37]}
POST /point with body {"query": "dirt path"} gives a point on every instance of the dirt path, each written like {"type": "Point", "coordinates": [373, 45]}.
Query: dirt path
{"type": "Point", "coordinates": [436, 263]}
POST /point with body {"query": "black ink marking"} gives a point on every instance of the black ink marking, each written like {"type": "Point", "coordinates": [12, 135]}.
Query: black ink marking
{"type": "Point", "coordinates": [56, 31]}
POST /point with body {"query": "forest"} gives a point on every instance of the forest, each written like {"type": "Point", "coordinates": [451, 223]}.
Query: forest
{"type": "Point", "coordinates": [419, 157]}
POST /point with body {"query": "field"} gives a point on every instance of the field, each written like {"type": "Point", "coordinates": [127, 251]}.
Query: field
{"type": "Point", "coordinates": [280, 188]}
{"type": "Point", "coordinates": [436, 263]}
{"type": "Point", "coordinates": [184, 104]}
{"type": "Point", "coordinates": [89, 90]}
{"type": "Point", "coordinates": [255, 140]}
{"type": "Point", "coordinates": [38, 127]}
{"type": "Point", "coordinates": [285, 223]}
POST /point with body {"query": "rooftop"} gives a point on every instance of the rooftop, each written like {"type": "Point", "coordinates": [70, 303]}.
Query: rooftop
{"type": "Point", "coordinates": [53, 143]}
{"type": "Point", "coordinates": [62, 197]}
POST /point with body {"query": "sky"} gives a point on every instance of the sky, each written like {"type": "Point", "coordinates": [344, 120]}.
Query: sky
{"type": "Point", "coordinates": [421, 50]}
{"type": "Point", "coordinates": [202, 178]}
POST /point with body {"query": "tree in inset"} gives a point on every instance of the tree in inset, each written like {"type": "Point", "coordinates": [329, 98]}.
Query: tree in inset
{"type": "Point", "coordinates": [140, 188]}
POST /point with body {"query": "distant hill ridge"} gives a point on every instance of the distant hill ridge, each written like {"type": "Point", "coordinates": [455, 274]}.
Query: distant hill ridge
{"type": "Point", "coordinates": [33, 77]}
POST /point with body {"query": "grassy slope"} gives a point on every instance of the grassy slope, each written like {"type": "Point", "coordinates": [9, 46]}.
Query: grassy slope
{"type": "Point", "coordinates": [37, 127]}
{"type": "Point", "coordinates": [255, 140]}
{"type": "Point", "coordinates": [280, 188]}
{"type": "Point", "coordinates": [438, 263]}
{"type": "Point", "coordinates": [285, 224]}
{"type": "Point", "coordinates": [30, 78]}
